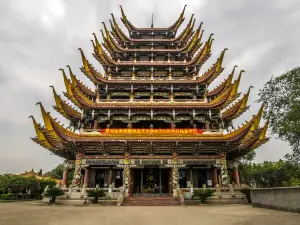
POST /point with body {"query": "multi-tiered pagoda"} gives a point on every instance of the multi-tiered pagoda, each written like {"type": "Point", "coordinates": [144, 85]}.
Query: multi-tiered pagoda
{"type": "Point", "coordinates": [152, 122]}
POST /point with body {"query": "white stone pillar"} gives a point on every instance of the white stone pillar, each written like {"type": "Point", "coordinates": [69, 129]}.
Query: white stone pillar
{"type": "Point", "coordinates": [126, 176]}
{"type": "Point", "coordinates": [224, 173]}
{"type": "Point", "coordinates": [175, 180]}
{"type": "Point", "coordinates": [77, 173]}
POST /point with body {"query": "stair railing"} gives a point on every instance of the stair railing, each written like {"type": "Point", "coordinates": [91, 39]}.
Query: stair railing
{"type": "Point", "coordinates": [180, 197]}
{"type": "Point", "coordinates": [121, 197]}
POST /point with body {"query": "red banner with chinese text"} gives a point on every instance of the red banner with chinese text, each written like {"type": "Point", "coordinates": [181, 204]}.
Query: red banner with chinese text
{"type": "Point", "coordinates": [150, 131]}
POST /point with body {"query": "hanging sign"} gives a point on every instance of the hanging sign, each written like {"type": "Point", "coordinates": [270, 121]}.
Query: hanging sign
{"type": "Point", "coordinates": [101, 161]}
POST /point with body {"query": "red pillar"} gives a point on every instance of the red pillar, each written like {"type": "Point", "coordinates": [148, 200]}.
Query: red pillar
{"type": "Point", "coordinates": [219, 179]}
{"type": "Point", "coordinates": [236, 177]}
{"type": "Point", "coordinates": [206, 125]}
{"type": "Point", "coordinates": [132, 173]}
{"type": "Point", "coordinates": [214, 177]}
{"type": "Point", "coordinates": [86, 176]}
{"type": "Point", "coordinates": [95, 124]}
{"type": "Point", "coordinates": [170, 182]}
{"type": "Point", "coordinates": [109, 177]}
{"type": "Point", "coordinates": [65, 176]}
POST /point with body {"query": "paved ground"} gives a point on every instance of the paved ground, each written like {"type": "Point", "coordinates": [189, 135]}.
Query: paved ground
{"type": "Point", "coordinates": [33, 213]}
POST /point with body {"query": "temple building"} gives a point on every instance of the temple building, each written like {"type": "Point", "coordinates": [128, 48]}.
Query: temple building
{"type": "Point", "coordinates": [39, 176]}
{"type": "Point", "coordinates": [151, 122]}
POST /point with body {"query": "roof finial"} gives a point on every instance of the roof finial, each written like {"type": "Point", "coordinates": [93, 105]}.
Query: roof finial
{"type": "Point", "coordinates": [183, 10]}
{"type": "Point", "coordinates": [123, 14]}
{"type": "Point", "coordinates": [152, 21]}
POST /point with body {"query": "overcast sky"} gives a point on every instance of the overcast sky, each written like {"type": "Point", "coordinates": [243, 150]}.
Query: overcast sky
{"type": "Point", "coordinates": [37, 37]}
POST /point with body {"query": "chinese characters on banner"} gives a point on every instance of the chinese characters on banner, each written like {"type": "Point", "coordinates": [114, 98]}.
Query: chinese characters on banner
{"type": "Point", "coordinates": [150, 131]}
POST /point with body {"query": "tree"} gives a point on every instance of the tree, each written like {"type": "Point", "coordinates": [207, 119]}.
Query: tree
{"type": "Point", "coordinates": [96, 193]}
{"type": "Point", "coordinates": [58, 172]}
{"type": "Point", "coordinates": [52, 193]}
{"type": "Point", "coordinates": [18, 184]}
{"type": "Point", "coordinates": [271, 174]}
{"type": "Point", "coordinates": [248, 157]}
{"type": "Point", "coordinates": [281, 96]}
{"type": "Point", "coordinates": [40, 172]}
{"type": "Point", "coordinates": [245, 161]}
{"type": "Point", "coordinates": [4, 184]}
{"type": "Point", "coordinates": [47, 182]}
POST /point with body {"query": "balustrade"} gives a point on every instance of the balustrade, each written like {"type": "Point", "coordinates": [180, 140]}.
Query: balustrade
{"type": "Point", "coordinates": [154, 100]}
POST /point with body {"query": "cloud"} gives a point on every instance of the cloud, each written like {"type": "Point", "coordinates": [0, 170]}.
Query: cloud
{"type": "Point", "coordinates": [39, 37]}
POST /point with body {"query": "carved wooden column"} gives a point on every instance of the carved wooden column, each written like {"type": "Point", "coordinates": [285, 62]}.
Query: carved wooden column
{"type": "Point", "coordinates": [175, 175]}
{"type": "Point", "coordinates": [65, 175]}
{"type": "Point", "coordinates": [159, 179]}
{"type": "Point", "coordinates": [172, 125]}
{"type": "Point", "coordinates": [98, 98]}
{"type": "Point", "coordinates": [175, 180]}
{"type": "Point", "coordinates": [214, 177]}
{"type": "Point", "coordinates": [96, 124]}
{"type": "Point", "coordinates": [236, 174]}
{"type": "Point", "coordinates": [219, 179]}
{"type": "Point", "coordinates": [224, 172]}
{"type": "Point", "coordinates": [206, 125]}
{"type": "Point", "coordinates": [127, 175]}
{"type": "Point", "coordinates": [191, 177]}
{"type": "Point", "coordinates": [77, 173]}
{"type": "Point", "coordinates": [109, 176]}
{"type": "Point", "coordinates": [86, 176]}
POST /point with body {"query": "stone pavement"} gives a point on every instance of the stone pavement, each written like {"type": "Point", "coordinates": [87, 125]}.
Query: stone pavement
{"type": "Point", "coordinates": [35, 214]}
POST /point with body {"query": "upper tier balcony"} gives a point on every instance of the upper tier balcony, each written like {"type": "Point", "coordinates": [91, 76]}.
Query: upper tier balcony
{"type": "Point", "coordinates": [133, 101]}
{"type": "Point", "coordinates": [151, 78]}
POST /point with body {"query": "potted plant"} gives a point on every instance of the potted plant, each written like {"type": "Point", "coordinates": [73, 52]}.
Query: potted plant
{"type": "Point", "coordinates": [96, 193]}
{"type": "Point", "coordinates": [203, 194]}
{"type": "Point", "coordinates": [52, 193]}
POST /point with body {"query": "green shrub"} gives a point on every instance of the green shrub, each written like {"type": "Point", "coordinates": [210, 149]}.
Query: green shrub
{"type": "Point", "coordinates": [49, 182]}
{"type": "Point", "coordinates": [96, 193]}
{"type": "Point", "coordinates": [246, 192]}
{"type": "Point", "coordinates": [294, 181]}
{"type": "Point", "coordinates": [19, 184]}
{"type": "Point", "coordinates": [203, 194]}
{"type": "Point", "coordinates": [8, 196]}
{"type": "Point", "coordinates": [52, 193]}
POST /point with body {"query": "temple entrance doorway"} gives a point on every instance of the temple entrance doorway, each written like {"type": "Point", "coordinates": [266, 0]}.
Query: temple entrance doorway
{"type": "Point", "coordinates": [150, 180]}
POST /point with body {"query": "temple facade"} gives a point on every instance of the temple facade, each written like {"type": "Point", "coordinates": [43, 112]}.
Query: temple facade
{"type": "Point", "coordinates": [151, 122]}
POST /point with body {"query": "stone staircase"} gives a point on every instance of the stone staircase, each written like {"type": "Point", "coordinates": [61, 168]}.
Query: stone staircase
{"type": "Point", "coordinates": [150, 201]}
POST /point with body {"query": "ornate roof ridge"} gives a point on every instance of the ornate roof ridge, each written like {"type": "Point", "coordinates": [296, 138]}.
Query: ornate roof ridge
{"type": "Point", "coordinates": [114, 46]}
{"type": "Point", "coordinates": [198, 59]}
{"type": "Point", "coordinates": [237, 108]}
{"type": "Point", "coordinates": [69, 93]}
{"type": "Point", "coordinates": [65, 135]}
{"type": "Point", "coordinates": [87, 103]}
{"type": "Point", "coordinates": [253, 140]}
{"type": "Point", "coordinates": [221, 87]}
{"type": "Point", "coordinates": [250, 126]}
{"type": "Point", "coordinates": [173, 27]}
{"type": "Point", "coordinates": [215, 70]}
{"type": "Point", "coordinates": [64, 108]}
{"type": "Point", "coordinates": [85, 89]}
{"type": "Point", "coordinates": [122, 37]}
{"type": "Point", "coordinates": [40, 137]}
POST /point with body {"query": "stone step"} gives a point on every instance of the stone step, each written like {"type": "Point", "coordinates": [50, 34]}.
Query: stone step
{"type": "Point", "coordinates": [150, 201]}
